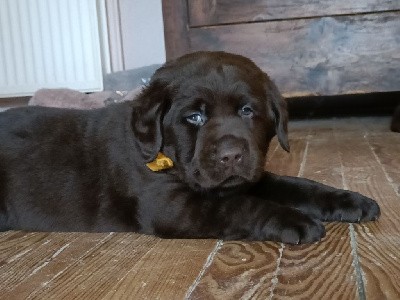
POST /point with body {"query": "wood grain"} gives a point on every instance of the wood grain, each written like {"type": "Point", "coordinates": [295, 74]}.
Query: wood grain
{"type": "Point", "coordinates": [14, 244]}
{"type": "Point", "coordinates": [238, 271]}
{"type": "Point", "coordinates": [165, 272]}
{"type": "Point", "coordinates": [95, 274]}
{"type": "Point", "coordinates": [319, 271]}
{"type": "Point", "coordinates": [30, 271]}
{"type": "Point", "coordinates": [324, 56]}
{"type": "Point", "coordinates": [99, 266]}
{"type": "Point", "coordinates": [26, 263]}
{"type": "Point", "coordinates": [217, 12]}
{"type": "Point", "coordinates": [175, 28]}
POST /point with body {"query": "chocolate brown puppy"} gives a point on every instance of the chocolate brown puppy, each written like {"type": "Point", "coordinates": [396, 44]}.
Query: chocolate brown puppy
{"type": "Point", "coordinates": [209, 118]}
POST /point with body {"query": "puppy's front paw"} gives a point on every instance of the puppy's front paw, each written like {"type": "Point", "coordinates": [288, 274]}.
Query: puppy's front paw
{"type": "Point", "coordinates": [353, 207]}
{"type": "Point", "coordinates": [295, 228]}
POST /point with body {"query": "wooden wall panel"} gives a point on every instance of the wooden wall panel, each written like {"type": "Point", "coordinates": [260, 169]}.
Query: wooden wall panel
{"type": "Point", "coordinates": [206, 12]}
{"type": "Point", "coordinates": [322, 56]}
{"type": "Point", "coordinates": [175, 27]}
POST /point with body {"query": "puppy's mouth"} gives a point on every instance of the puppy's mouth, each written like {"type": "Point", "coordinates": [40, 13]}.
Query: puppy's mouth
{"type": "Point", "coordinates": [233, 181]}
{"type": "Point", "coordinates": [200, 182]}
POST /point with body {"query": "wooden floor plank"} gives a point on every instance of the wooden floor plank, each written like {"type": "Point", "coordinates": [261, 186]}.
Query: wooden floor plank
{"type": "Point", "coordinates": [97, 271]}
{"type": "Point", "coordinates": [38, 267]}
{"type": "Point", "coordinates": [21, 267]}
{"type": "Point", "coordinates": [238, 271]}
{"type": "Point", "coordinates": [165, 272]}
{"type": "Point", "coordinates": [386, 148]}
{"type": "Point", "coordinates": [319, 271]}
{"type": "Point", "coordinates": [124, 265]}
{"type": "Point", "coordinates": [377, 242]}
{"type": "Point", "coordinates": [14, 244]}
{"type": "Point", "coordinates": [322, 270]}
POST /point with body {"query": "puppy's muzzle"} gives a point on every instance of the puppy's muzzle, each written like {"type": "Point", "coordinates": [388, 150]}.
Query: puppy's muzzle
{"type": "Point", "coordinates": [230, 155]}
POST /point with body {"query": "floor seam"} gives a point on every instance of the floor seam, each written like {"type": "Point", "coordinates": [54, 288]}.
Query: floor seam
{"type": "Point", "coordinates": [353, 240]}
{"type": "Point", "coordinates": [207, 264]}
{"type": "Point", "coordinates": [356, 263]}
{"type": "Point", "coordinates": [274, 279]}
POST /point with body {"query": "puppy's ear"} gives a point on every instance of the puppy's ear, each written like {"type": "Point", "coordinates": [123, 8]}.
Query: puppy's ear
{"type": "Point", "coordinates": [279, 109]}
{"type": "Point", "coordinates": [147, 117]}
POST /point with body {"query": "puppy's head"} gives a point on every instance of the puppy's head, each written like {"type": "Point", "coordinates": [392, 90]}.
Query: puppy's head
{"type": "Point", "coordinates": [214, 114]}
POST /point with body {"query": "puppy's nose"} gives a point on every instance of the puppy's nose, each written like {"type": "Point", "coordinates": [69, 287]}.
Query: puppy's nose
{"type": "Point", "coordinates": [230, 156]}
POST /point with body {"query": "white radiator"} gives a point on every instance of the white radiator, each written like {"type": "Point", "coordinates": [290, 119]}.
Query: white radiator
{"type": "Point", "coordinates": [49, 43]}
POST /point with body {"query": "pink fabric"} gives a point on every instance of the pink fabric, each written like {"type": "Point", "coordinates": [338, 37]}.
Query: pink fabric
{"type": "Point", "coordinates": [67, 98]}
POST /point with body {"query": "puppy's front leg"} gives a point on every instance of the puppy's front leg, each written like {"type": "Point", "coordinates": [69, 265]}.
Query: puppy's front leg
{"type": "Point", "coordinates": [317, 200]}
{"type": "Point", "coordinates": [236, 217]}
{"type": "Point", "coordinates": [257, 219]}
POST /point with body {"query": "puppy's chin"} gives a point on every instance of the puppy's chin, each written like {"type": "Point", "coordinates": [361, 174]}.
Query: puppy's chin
{"type": "Point", "coordinates": [201, 182]}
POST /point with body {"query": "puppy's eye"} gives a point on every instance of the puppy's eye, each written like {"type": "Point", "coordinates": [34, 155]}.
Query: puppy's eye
{"type": "Point", "coordinates": [196, 119]}
{"type": "Point", "coordinates": [246, 111]}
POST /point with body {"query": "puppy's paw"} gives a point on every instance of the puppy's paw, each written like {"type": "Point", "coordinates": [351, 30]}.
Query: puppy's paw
{"type": "Point", "coordinates": [295, 228]}
{"type": "Point", "coordinates": [352, 207]}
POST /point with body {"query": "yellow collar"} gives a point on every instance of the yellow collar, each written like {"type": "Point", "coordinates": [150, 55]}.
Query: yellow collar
{"type": "Point", "coordinates": [160, 163]}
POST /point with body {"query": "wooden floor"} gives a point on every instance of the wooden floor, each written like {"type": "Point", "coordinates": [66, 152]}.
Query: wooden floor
{"type": "Point", "coordinates": [352, 261]}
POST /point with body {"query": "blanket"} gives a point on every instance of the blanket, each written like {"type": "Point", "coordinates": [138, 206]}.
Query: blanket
{"type": "Point", "coordinates": [68, 98]}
